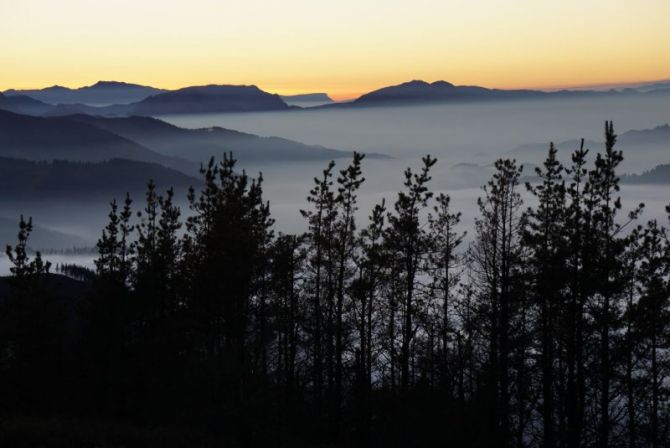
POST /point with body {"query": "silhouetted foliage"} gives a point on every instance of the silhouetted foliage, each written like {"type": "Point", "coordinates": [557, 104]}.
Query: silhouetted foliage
{"type": "Point", "coordinates": [546, 325]}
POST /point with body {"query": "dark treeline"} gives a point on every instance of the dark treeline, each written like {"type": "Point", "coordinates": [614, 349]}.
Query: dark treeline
{"type": "Point", "coordinates": [548, 326]}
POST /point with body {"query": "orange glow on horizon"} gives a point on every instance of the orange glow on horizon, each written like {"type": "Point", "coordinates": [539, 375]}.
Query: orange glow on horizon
{"type": "Point", "coordinates": [343, 48]}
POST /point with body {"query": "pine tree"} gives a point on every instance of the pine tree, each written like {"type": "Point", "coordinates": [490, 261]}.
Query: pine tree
{"type": "Point", "coordinates": [545, 236]}
{"type": "Point", "coordinates": [349, 181]}
{"type": "Point", "coordinates": [407, 241]}
{"type": "Point", "coordinates": [573, 322]}
{"type": "Point", "coordinates": [319, 239]}
{"type": "Point", "coordinates": [23, 268]}
{"type": "Point", "coordinates": [496, 256]}
{"type": "Point", "coordinates": [444, 259]}
{"type": "Point", "coordinates": [108, 262]}
{"type": "Point", "coordinates": [653, 325]}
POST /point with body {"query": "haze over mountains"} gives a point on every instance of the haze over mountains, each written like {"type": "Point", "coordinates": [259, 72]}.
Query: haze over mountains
{"type": "Point", "coordinates": [199, 145]}
{"type": "Point", "coordinates": [206, 99]}
{"type": "Point", "coordinates": [83, 180]}
{"type": "Point", "coordinates": [58, 138]}
{"type": "Point", "coordinates": [146, 100]}
{"type": "Point", "coordinates": [417, 92]}
{"type": "Point", "coordinates": [96, 139]}
{"type": "Point", "coordinates": [101, 93]}
{"type": "Point", "coordinates": [70, 152]}
{"type": "Point", "coordinates": [111, 98]}
{"type": "Point", "coordinates": [652, 144]}
{"type": "Point", "coordinates": [41, 237]}
{"type": "Point", "coordinates": [107, 93]}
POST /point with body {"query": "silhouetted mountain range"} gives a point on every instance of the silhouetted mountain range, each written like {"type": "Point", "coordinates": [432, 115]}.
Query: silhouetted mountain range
{"type": "Point", "coordinates": [660, 135]}
{"type": "Point", "coordinates": [190, 100]}
{"type": "Point", "coordinates": [124, 99]}
{"type": "Point", "coordinates": [654, 86]}
{"type": "Point", "coordinates": [200, 144]}
{"type": "Point", "coordinates": [211, 98]}
{"type": "Point", "coordinates": [96, 139]}
{"type": "Point", "coordinates": [24, 104]}
{"type": "Point", "coordinates": [421, 92]}
{"type": "Point", "coordinates": [659, 175]}
{"type": "Point", "coordinates": [417, 92]}
{"type": "Point", "coordinates": [439, 91]}
{"type": "Point", "coordinates": [4, 102]}
{"type": "Point", "coordinates": [100, 93]}
{"type": "Point", "coordinates": [72, 180]}
{"type": "Point", "coordinates": [632, 140]}
{"type": "Point", "coordinates": [38, 138]}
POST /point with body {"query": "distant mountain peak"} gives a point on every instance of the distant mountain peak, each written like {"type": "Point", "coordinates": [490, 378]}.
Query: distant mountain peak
{"type": "Point", "coordinates": [419, 91]}
{"type": "Point", "coordinates": [100, 93]}
{"type": "Point", "coordinates": [422, 83]}
{"type": "Point", "coordinates": [223, 88]}
{"type": "Point", "coordinates": [209, 98]}
{"type": "Point", "coordinates": [415, 91]}
{"type": "Point", "coordinates": [114, 85]}
{"type": "Point", "coordinates": [57, 87]}
{"type": "Point", "coordinates": [415, 82]}
{"type": "Point", "coordinates": [442, 84]}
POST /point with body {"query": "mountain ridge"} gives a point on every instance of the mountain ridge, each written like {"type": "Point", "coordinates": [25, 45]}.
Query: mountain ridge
{"type": "Point", "coordinates": [200, 144]}
{"type": "Point", "coordinates": [208, 99]}
{"type": "Point", "coordinates": [100, 93]}
{"type": "Point", "coordinates": [95, 139]}
{"type": "Point", "coordinates": [222, 98]}
{"type": "Point", "coordinates": [40, 138]}
{"type": "Point", "coordinates": [658, 135]}
{"type": "Point", "coordinates": [61, 179]}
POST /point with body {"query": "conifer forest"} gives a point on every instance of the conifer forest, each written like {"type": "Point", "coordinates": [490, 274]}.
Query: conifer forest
{"type": "Point", "coordinates": [546, 323]}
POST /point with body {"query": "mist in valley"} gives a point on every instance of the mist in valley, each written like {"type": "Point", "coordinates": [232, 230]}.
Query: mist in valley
{"type": "Point", "coordinates": [454, 133]}
{"type": "Point", "coordinates": [465, 138]}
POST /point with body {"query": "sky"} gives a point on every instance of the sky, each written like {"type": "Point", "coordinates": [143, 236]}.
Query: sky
{"type": "Point", "coordinates": [342, 47]}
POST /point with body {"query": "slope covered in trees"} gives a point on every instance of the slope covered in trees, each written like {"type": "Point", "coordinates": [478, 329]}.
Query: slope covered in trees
{"type": "Point", "coordinates": [548, 328]}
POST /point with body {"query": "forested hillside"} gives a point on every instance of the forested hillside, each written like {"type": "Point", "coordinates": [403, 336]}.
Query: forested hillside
{"type": "Point", "coordinates": [546, 325]}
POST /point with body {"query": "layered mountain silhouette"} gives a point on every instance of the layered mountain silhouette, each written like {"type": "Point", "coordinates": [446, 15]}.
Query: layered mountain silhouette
{"type": "Point", "coordinates": [25, 104]}
{"type": "Point", "coordinates": [417, 92]}
{"type": "Point", "coordinates": [421, 92]}
{"type": "Point", "coordinates": [200, 144]}
{"type": "Point", "coordinates": [4, 102]}
{"type": "Point", "coordinates": [39, 138]}
{"type": "Point", "coordinates": [96, 139]}
{"type": "Point", "coordinates": [632, 140]}
{"type": "Point", "coordinates": [71, 180]}
{"type": "Point", "coordinates": [111, 98]}
{"type": "Point", "coordinates": [100, 93]}
{"type": "Point", "coordinates": [654, 86]}
{"type": "Point", "coordinates": [659, 175]}
{"type": "Point", "coordinates": [212, 98]}
{"type": "Point", "coordinates": [660, 135]}
{"type": "Point", "coordinates": [189, 100]}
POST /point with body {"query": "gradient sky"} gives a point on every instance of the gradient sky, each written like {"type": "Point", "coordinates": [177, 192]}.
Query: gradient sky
{"type": "Point", "coordinates": [343, 47]}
